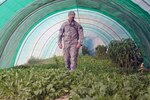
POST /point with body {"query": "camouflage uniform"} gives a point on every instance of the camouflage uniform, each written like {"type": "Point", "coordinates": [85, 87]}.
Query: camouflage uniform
{"type": "Point", "coordinates": [72, 33]}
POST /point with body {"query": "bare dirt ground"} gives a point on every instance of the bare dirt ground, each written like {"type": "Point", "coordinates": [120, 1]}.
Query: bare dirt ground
{"type": "Point", "coordinates": [63, 98]}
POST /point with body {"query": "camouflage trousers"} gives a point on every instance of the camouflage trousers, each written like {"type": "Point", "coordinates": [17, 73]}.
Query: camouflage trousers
{"type": "Point", "coordinates": [70, 53]}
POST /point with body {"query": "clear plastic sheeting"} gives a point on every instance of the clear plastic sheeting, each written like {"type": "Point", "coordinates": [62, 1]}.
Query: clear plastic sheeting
{"type": "Point", "coordinates": [33, 30]}
{"type": "Point", "coordinates": [41, 42]}
{"type": "Point", "coordinates": [145, 4]}
{"type": "Point", "coordinates": [2, 1]}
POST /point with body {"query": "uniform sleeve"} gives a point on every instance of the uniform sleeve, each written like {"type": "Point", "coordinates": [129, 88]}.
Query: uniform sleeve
{"type": "Point", "coordinates": [80, 33]}
{"type": "Point", "coordinates": [61, 31]}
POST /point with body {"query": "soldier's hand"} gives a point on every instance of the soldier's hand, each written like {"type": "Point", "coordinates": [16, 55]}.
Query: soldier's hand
{"type": "Point", "coordinates": [60, 45]}
{"type": "Point", "coordinates": [78, 45]}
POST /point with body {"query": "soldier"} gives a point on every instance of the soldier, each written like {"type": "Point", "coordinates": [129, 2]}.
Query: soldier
{"type": "Point", "coordinates": [72, 34]}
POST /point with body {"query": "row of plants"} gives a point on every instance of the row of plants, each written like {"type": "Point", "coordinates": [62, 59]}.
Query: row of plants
{"type": "Point", "coordinates": [92, 80]}
{"type": "Point", "coordinates": [124, 53]}
{"type": "Point", "coordinates": [99, 52]}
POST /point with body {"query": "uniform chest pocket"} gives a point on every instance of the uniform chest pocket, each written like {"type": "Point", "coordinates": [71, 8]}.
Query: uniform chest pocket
{"type": "Point", "coordinates": [70, 30]}
{"type": "Point", "coordinates": [67, 28]}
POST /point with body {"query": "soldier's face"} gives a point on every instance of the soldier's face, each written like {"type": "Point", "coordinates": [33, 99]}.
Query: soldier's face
{"type": "Point", "coordinates": [71, 17]}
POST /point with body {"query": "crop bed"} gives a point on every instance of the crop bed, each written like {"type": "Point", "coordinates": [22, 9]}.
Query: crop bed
{"type": "Point", "coordinates": [92, 80]}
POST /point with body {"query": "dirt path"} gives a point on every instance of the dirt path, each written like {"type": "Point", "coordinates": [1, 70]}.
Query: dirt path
{"type": "Point", "coordinates": [63, 98]}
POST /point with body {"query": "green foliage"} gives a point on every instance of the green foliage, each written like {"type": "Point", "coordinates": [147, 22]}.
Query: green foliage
{"type": "Point", "coordinates": [92, 80]}
{"type": "Point", "coordinates": [56, 60]}
{"type": "Point", "coordinates": [101, 52]}
{"type": "Point", "coordinates": [85, 50]}
{"type": "Point", "coordinates": [33, 60]}
{"type": "Point", "coordinates": [125, 53]}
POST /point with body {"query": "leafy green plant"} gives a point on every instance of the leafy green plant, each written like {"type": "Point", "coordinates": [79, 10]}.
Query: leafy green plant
{"type": "Point", "coordinates": [125, 53]}
{"type": "Point", "coordinates": [33, 60]}
{"type": "Point", "coordinates": [92, 80]}
{"type": "Point", "coordinates": [85, 50]}
{"type": "Point", "coordinates": [100, 51]}
{"type": "Point", "coordinates": [56, 60]}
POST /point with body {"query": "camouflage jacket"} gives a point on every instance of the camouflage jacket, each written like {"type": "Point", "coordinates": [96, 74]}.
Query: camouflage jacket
{"type": "Point", "coordinates": [71, 32]}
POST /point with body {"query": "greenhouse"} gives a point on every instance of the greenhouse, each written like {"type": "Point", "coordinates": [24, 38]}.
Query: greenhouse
{"type": "Point", "coordinates": [29, 28]}
{"type": "Point", "coordinates": [108, 56]}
